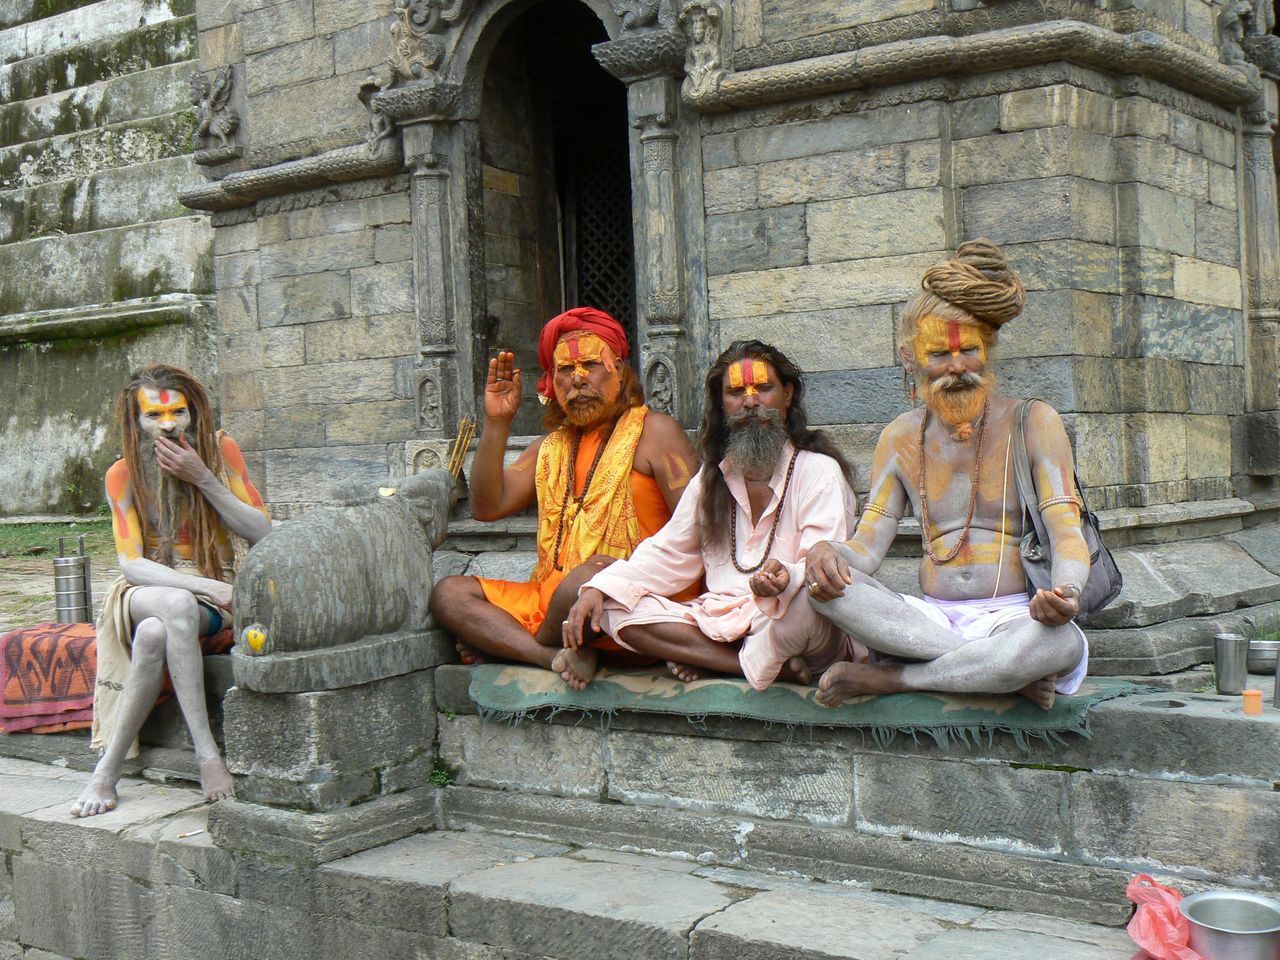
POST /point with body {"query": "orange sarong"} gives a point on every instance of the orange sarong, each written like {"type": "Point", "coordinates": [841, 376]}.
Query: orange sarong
{"type": "Point", "coordinates": [621, 508]}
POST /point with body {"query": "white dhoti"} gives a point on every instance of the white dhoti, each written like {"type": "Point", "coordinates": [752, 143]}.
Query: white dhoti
{"type": "Point", "coordinates": [975, 619]}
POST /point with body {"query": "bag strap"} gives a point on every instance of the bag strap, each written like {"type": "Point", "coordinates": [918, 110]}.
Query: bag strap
{"type": "Point", "coordinates": [1022, 471]}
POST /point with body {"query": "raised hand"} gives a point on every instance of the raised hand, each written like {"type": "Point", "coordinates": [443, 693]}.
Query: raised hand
{"type": "Point", "coordinates": [771, 579]}
{"type": "Point", "coordinates": [826, 572]}
{"type": "Point", "coordinates": [502, 388]}
{"type": "Point", "coordinates": [587, 609]}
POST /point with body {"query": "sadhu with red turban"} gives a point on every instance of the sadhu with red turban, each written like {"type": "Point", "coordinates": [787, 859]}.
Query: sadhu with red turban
{"type": "Point", "coordinates": [607, 474]}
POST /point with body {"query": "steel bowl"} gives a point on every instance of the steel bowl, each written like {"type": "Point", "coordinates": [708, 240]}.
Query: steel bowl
{"type": "Point", "coordinates": [1262, 656]}
{"type": "Point", "coordinates": [1233, 925]}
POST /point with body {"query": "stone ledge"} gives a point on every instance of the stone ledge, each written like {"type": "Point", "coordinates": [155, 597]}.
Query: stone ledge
{"type": "Point", "coordinates": [99, 320]}
{"type": "Point", "coordinates": [350, 664]}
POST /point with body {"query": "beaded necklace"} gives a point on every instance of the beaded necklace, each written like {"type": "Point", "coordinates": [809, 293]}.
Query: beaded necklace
{"type": "Point", "coordinates": [568, 490]}
{"type": "Point", "coordinates": [773, 531]}
{"type": "Point", "coordinates": [973, 492]}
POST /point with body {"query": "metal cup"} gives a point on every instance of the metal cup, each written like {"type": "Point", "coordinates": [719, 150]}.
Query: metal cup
{"type": "Point", "coordinates": [72, 594]}
{"type": "Point", "coordinates": [1230, 659]}
{"type": "Point", "coordinates": [1233, 925]}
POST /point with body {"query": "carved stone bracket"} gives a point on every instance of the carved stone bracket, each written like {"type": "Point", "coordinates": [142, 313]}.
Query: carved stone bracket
{"type": "Point", "coordinates": [636, 14]}
{"type": "Point", "coordinates": [1264, 52]}
{"type": "Point", "coordinates": [710, 88]}
{"type": "Point", "coordinates": [652, 54]}
{"type": "Point", "coordinates": [215, 117]}
{"type": "Point", "coordinates": [416, 34]}
{"type": "Point", "coordinates": [430, 99]}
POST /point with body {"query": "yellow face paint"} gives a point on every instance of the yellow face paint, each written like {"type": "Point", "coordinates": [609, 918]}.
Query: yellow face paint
{"type": "Point", "coordinates": [162, 411]}
{"type": "Point", "coordinates": [748, 375]}
{"type": "Point", "coordinates": [946, 336]}
{"type": "Point", "coordinates": [576, 350]}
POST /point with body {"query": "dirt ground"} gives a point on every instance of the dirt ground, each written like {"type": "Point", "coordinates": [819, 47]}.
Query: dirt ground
{"type": "Point", "coordinates": [27, 552]}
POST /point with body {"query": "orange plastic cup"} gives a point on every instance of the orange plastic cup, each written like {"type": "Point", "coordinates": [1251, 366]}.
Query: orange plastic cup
{"type": "Point", "coordinates": [1252, 703]}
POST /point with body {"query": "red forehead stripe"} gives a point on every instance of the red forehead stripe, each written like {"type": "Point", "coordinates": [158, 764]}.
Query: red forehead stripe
{"type": "Point", "coordinates": [164, 396]}
{"type": "Point", "coordinates": [953, 331]}
{"type": "Point", "coordinates": [748, 372]}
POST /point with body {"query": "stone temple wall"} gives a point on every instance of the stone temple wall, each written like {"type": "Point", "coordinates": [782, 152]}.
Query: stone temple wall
{"type": "Point", "coordinates": [795, 167]}
{"type": "Point", "coordinates": [101, 268]}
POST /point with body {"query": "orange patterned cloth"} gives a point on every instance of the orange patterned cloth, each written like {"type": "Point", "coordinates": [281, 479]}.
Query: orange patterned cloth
{"type": "Point", "coordinates": [621, 508]}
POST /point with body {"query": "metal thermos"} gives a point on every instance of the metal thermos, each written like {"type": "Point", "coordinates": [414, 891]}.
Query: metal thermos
{"type": "Point", "coordinates": [1230, 660]}
{"type": "Point", "coordinates": [72, 593]}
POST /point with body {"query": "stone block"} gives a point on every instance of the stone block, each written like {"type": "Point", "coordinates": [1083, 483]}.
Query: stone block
{"type": "Point", "coordinates": [856, 396]}
{"type": "Point", "coordinates": [1126, 820]}
{"type": "Point", "coordinates": [1058, 105]}
{"type": "Point", "coordinates": [332, 16]}
{"type": "Point", "coordinates": [783, 20]}
{"type": "Point", "coordinates": [333, 108]}
{"type": "Point", "coordinates": [256, 830]}
{"type": "Point", "coordinates": [922, 164]}
{"type": "Point", "coordinates": [978, 117]}
{"type": "Point", "coordinates": [388, 421]}
{"type": "Point", "coordinates": [769, 780]}
{"type": "Point", "coordinates": [1067, 264]}
{"type": "Point", "coordinates": [811, 924]}
{"type": "Point", "coordinates": [1217, 234]}
{"type": "Point", "coordinates": [1162, 165]}
{"type": "Point", "coordinates": [537, 758]}
{"type": "Point", "coordinates": [978, 804]}
{"type": "Point", "coordinates": [277, 25]}
{"type": "Point", "coordinates": [756, 240]}
{"type": "Point", "coordinates": [817, 287]}
{"type": "Point", "coordinates": [336, 252]}
{"type": "Point", "coordinates": [1183, 330]}
{"type": "Point", "coordinates": [382, 288]}
{"type": "Point", "coordinates": [317, 735]}
{"type": "Point", "coordinates": [361, 338]}
{"type": "Point", "coordinates": [1208, 447]}
{"type": "Point", "coordinates": [405, 884]}
{"type": "Point", "coordinates": [1222, 187]}
{"type": "Point", "coordinates": [1214, 389]}
{"type": "Point", "coordinates": [1262, 443]}
{"type": "Point", "coordinates": [306, 299]}
{"type": "Point", "coordinates": [220, 46]}
{"type": "Point", "coordinates": [237, 309]}
{"type": "Point", "coordinates": [1217, 144]}
{"type": "Point", "coordinates": [342, 382]}
{"type": "Point", "coordinates": [1030, 154]}
{"type": "Point", "coordinates": [310, 59]}
{"type": "Point", "coordinates": [729, 190]}
{"type": "Point", "coordinates": [364, 45]}
{"type": "Point", "coordinates": [343, 216]}
{"type": "Point", "coordinates": [849, 338]}
{"type": "Point", "coordinates": [1151, 217]}
{"type": "Point", "coordinates": [844, 132]}
{"type": "Point", "coordinates": [393, 242]}
{"type": "Point", "coordinates": [1046, 209]}
{"type": "Point", "coordinates": [312, 475]}
{"type": "Point", "coordinates": [1201, 281]}
{"type": "Point", "coordinates": [1153, 384]}
{"type": "Point", "coordinates": [349, 664]}
{"type": "Point", "coordinates": [885, 224]}
{"type": "Point", "coordinates": [1147, 270]}
{"type": "Point", "coordinates": [1156, 444]}
{"type": "Point", "coordinates": [192, 921]}
{"type": "Point", "coordinates": [979, 944]}
{"type": "Point", "coordinates": [617, 910]}
{"type": "Point", "coordinates": [1201, 20]}
{"type": "Point", "coordinates": [832, 175]}
{"type": "Point", "coordinates": [1060, 322]}
{"type": "Point", "coordinates": [509, 565]}
{"type": "Point", "coordinates": [76, 911]}
{"type": "Point", "coordinates": [183, 854]}
{"type": "Point", "coordinates": [25, 788]}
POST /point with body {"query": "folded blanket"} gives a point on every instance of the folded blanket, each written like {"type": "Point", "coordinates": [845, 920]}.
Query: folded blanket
{"type": "Point", "coordinates": [47, 675]}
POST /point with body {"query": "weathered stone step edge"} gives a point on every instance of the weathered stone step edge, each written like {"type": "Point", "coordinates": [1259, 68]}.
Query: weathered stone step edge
{"type": "Point", "coordinates": [164, 43]}
{"type": "Point", "coordinates": [106, 19]}
{"type": "Point", "coordinates": [911, 867]}
{"type": "Point", "coordinates": [1170, 646]}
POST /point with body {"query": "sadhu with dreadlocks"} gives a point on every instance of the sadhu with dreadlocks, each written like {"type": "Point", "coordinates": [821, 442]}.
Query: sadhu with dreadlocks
{"type": "Point", "coordinates": [178, 494]}
{"type": "Point", "coordinates": [768, 490]}
{"type": "Point", "coordinates": [975, 630]}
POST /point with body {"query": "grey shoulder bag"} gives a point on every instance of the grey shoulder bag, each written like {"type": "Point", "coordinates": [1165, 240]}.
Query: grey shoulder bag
{"type": "Point", "coordinates": [1104, 581]}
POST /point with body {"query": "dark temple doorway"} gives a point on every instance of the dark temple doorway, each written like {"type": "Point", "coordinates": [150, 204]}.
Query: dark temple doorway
{"type": "Point", "coordinates": [556, 187]}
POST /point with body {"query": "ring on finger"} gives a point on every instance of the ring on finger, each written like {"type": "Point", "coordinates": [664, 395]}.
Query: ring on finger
{"type": "Point", "coordinates": [813, 587]}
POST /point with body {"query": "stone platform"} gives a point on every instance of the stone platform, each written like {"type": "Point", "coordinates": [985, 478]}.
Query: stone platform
{"type": "Point", "coordinates": [146, 881]}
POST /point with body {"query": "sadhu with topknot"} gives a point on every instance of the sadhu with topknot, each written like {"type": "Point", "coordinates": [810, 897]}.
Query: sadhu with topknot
{"type": "Point", "coordinates": [178, 495]}
{"type": "Point", "coordinates": [976, 630]}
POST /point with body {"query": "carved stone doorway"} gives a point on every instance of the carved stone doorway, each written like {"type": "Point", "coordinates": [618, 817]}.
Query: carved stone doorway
{"type": "Point", "coordinates": [556, 188]}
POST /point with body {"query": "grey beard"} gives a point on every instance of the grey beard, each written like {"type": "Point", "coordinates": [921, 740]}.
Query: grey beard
{"type": "Point", "coordinates": [173, 503]}
{"type": "Point", "coordinates": [756, 440]}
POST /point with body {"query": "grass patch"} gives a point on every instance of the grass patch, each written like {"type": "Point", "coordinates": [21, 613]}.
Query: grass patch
{"type": "Point", "coordinates": [441, 775]}
{"type": "Point", "coordinates": [41, 539]}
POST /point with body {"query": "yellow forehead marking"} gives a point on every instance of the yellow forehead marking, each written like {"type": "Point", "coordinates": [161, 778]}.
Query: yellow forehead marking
{"type": "Point", "coordinates": [578, 349]}
{"type": "Point", "coordinates": [936, 335]}
{"type": "Point", "coordinates": [160, 401]}
{"type": "Point", "coordinates": [750, 374]}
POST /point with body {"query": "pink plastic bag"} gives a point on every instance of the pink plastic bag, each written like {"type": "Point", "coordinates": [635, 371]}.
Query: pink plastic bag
{"type": "Point", "coordinates": [1158, 926]}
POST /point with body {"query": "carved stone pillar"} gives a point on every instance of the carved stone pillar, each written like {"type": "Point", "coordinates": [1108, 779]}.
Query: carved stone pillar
{"type": "Point", "coordinates": [650, 64]}
{"type": "Point", "coordinates": [1262, 248]}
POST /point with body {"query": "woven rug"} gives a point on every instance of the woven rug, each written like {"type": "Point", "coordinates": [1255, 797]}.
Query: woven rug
{"type": "Point", "coordinates": [510, 692]}
{"type": "Point", "coordinates": [46, 677]}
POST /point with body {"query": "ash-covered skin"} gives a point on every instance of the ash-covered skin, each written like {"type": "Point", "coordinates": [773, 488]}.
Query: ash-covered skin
{"type": "Point", "coordinates": [946, 350]}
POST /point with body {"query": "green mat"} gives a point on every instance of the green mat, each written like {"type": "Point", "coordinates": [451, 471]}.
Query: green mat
{"type": "Point", "coordinates": [510, 692]}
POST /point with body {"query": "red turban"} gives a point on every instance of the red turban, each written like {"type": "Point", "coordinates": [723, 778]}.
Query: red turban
{"type": "Point", "coordinates": [579, 318]}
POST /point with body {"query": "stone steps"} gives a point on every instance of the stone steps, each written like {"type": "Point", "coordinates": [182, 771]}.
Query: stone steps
{"type": "Point", "coordinates": [146, 881]}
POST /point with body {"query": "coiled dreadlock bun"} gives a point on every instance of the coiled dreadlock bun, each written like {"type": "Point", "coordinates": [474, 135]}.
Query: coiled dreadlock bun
{"type": "Point", "coordinates": [979, 280]}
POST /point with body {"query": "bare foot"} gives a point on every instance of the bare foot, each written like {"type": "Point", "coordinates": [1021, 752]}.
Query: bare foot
{"type": "Point", "coordinates": [469, 655]}
{"type": "Point", "coordinates": [99, 796]}
{"type": "Point", "coordinates": [1041, 692]}
{"type": "Point", "coordinates": [796, 670]}
{"type": "Point", "coordinates": [682, 671]}
{"type": "Point", "coordinates": [576, 667]}
{"type": "Point", "coordinates": [844, 680]}
{"type": "Point", "coordinates": [215, 780]}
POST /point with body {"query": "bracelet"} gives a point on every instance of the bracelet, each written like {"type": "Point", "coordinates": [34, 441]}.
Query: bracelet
{"type": "Point", "coordinates": [872, 507]}
{"type": "Point", "coordinates": [1054, 501]}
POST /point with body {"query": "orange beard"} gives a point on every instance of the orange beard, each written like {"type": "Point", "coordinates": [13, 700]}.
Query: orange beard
{"type": "Point", "coordinates": [958, 408]}
{"type": "Point", "coordinates": [585, 407]}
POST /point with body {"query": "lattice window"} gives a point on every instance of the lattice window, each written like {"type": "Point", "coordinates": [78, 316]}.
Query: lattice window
{"type": "Point", "coordinates": [599, 241]}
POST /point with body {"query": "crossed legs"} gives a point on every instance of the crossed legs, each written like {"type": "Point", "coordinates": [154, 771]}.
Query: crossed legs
{"type": "Point", "coordinates": [168, 623]}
